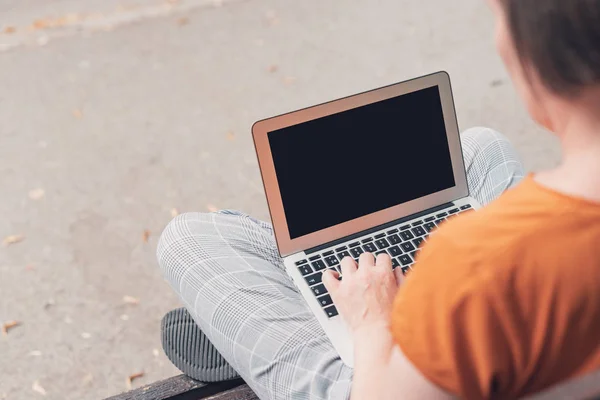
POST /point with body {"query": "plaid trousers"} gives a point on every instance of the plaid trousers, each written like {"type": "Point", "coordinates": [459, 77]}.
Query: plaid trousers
{"type": "Point", "coordinates": [227, 271]}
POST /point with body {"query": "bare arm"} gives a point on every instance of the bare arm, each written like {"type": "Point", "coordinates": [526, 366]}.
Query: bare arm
{"type": "Point", "coordinates": [364, 299]}
{"type": "Point", "coordinates": [381, 371]}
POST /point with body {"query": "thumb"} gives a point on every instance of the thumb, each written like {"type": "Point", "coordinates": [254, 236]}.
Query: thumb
{"type": "Point", "coordinates": [330, 280]}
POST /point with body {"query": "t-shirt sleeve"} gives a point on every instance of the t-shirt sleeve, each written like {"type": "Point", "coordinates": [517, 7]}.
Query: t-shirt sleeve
{"type": "Point", "coordinates": [452, 326]}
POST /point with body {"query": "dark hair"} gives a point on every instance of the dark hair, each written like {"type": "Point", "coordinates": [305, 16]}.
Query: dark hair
{"type": "Point", "coordinates": [559, 39]}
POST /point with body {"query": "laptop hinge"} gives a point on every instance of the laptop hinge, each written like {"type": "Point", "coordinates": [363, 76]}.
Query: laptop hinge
{"type": "Point", "coordinates": [377, 228]}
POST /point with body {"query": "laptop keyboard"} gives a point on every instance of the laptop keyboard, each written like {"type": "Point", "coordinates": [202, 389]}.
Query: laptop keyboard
{"type": "Point", "coordinates": [401, 244]}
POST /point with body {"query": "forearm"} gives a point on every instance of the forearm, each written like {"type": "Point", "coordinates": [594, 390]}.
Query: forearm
{"type": "Point", "coordinates": [373, 347]}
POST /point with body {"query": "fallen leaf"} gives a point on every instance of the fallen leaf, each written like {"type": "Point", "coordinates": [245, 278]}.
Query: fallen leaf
{"type": "Point", "coordinates": [183, 21]}
{"type": "Point", "coordinates": [8, 326]}
{"type": "Point", "coordinates": [12, 239]}
{"type": "Point", "coordinates": [36, 194]}
{"type": "Point", "coordinates": [155, 352]}
{"type": "Point", "coordinates": [86, 335]}
{"type": "Point", "coordinates": [174, 212]}
{"type": "Point", "coordinates": [49, 303]}
{"type": "Point", "coordinates": [146, 235]}
{"type": "Point", "coordinates": [35, 353]}
{"type": "Point", "coordinates": [77, 113]}
{"type": "Point", "coordinates": [9, 30]}
{"type": "Point", "coordinates": [131, 300]}
{"type": "Point", "coordinates": [132, 378]}
{"type": "Point", "coordinates": [36, 387]}
{"type": "Point", "coordinates": [272, 68]}
{"type": "Point", "coordinates": [230, 136]}
{"type": "Point", "coordinates": [212, 208]}
{"type": "Point", "coordinates": [40, 24]}
{"type": "Point", "coordinates": [288, 80]}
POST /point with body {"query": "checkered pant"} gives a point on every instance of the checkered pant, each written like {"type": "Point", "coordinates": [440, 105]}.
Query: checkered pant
{"type": "Point", "coordinates": [226, 269]}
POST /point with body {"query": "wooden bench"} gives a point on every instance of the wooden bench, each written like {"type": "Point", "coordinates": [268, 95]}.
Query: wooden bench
{"type": "Point", "coordinates": [182, 387]}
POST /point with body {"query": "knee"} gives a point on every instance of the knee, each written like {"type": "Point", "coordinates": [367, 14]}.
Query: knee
{"type": "Point", "coordinates": [488, 146]}
{"type": "Point", "coordinates": [192, 236]}
{"type": "Point", "coordinates": [173, 242]}
{"type": "Point", "coordinates": [483, 136]}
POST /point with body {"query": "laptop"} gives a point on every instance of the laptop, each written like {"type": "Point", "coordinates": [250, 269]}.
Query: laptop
{"type": "Point", "coordinates": [375, 172]}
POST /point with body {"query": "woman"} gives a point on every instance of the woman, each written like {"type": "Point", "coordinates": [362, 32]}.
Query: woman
{"type": "Point", "coordinates": [508, 309]}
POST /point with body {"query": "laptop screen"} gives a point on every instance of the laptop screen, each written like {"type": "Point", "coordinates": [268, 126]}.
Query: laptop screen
{"type": "Point", "coordinates": [347, 165]}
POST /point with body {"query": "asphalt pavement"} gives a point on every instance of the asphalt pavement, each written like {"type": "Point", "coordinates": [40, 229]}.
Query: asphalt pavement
{"type": "Point", "coordinates": [116, 115]}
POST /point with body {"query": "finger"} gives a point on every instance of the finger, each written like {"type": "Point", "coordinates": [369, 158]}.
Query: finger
{"type": "Point", "coordinates": [330, 280]}
{"type": "Point", "coordinates": [384, 261]}
{"type": "Point", "coordinates": [348, 266]}
{"type": "Point", "coordinates": [399, 276]}
{"type": "Point", "coordinates": [366, 260]}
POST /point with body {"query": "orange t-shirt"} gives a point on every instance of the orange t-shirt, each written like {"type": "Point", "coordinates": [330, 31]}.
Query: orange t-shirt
{"type": "Point", "coordinates": [505, 301]}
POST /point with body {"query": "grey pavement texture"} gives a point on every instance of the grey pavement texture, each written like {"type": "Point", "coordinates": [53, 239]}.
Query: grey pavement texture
{"type": "Point", "coordinates": [132, 110]}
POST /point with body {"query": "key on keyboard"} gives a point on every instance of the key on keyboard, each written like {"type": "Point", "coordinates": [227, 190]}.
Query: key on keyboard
{"type": "Point", "coordinates": [394, 239]}
{"type": "Point", "coordinates": [331, 260]}
{"type": "Point", "coordinates": [405, 259]}
{"type": "Point", "coordinates": [318, 265]}
{"type": "Point", "coordinates": [356, 252]}
{"type": "Point", "coordinates": [313, 279]}
{"type": "Point", "coordinates": [370, 248]}
{"type": "Point", "coordinates": [406, 235]}
{"type": "Point", "coordinates": [325, 300]}
{"type": "Point", "coordinates": [418, 231]}
{"type": "Point", "coordinates": [429, 226]}
{"type": "Point", "coordinates": [305, 269]}
{"type": "Point", "coordinates": [319, 290]}
{"type": "Point", "coordinates": [331, 311]}
{"type": "Point", "coordinates": [395, 251]}
{"type": "Point", "coordinates": [382, 243]}
{"type": "Point", "coordinates": [407, 246]}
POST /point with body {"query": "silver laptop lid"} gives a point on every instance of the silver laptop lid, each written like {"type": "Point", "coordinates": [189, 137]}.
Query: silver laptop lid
{"type": "Point", "coordinates": [342, 167]}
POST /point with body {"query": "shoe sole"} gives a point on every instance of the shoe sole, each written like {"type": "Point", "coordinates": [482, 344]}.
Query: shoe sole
{"type": "Point", "coordinates": [190, 350]}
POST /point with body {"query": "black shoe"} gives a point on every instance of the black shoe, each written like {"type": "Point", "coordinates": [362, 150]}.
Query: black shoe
{"type": "Point", "coordinates": [190, 350]}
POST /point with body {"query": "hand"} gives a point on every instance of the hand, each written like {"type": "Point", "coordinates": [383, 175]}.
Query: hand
{"type": "Point", "coordinates": [365, 295]}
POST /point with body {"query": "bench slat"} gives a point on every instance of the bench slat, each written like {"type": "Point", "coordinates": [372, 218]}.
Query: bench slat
{"type": "Point", "coordinates": [182, 387]}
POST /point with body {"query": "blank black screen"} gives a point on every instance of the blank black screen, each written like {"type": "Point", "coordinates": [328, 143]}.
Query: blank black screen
{"type": "Point", "coordinates": [360, 161]}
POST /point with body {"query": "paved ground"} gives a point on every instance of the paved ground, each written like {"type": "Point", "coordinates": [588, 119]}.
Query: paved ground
{"type": "Point", "coordinates": [114, 113]}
